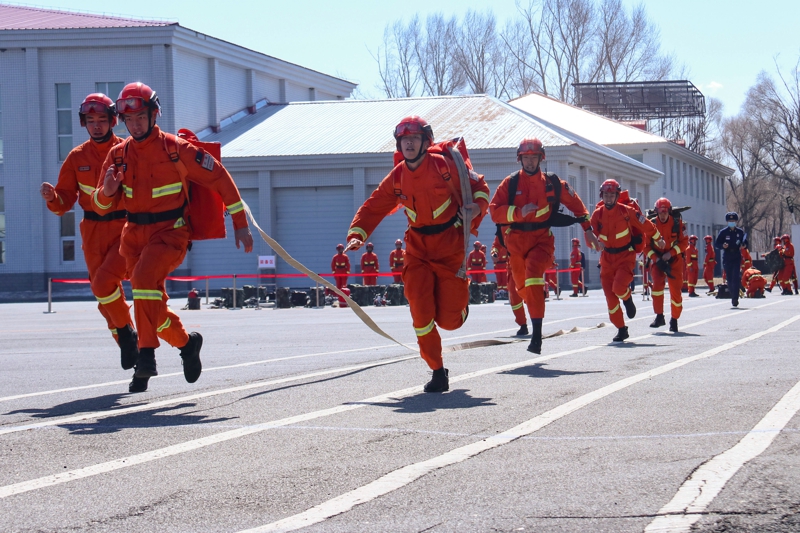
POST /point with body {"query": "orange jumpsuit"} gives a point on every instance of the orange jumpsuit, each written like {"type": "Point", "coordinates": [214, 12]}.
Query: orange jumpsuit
{"type": "Point", "coordinates": [340, 267]}
{"type": "Point", "coordinates": [500, 259]}
{"type": "Point", "coordinates": [615, 227]}
{"type": "Point", "coordinates": [532, 252]}
{"type": "Point", "coordinates": [787, 271]}
{"type": "Point", "coordinates": [747, 260]}
{"type": "Point", "coordinates": [77, 180]}
{"type": "Point", "coordinates": [676, 245]}
{"type": "Point", "coordinates": [397, 258]}
{"type": "Point", "coordinates": [436, 295]}
{"type": "Point", "coordinates": [692, 267]}
{"type": "Point", "coordinates": [576, 261]}
{"type": "Point", "coordinates": [369, 265]}
{"type": "Point", "coordinates": [152, 185]}
{"type": "Point", "coordinates": [708, 265]}
{"type": "Point", "coordinates": [476, 264]}
{"type": "Point", "coordinates": [753, 281]}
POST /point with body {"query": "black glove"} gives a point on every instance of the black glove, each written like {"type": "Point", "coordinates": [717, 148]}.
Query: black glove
{"type": "Point", "coordinates": [664, 266]}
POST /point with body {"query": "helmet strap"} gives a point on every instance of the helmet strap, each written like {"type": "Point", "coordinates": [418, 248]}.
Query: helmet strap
{"type": "Point", "coordinates": [105, 138]}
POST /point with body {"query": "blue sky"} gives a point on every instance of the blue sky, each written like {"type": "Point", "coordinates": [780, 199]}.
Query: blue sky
{"type": "Point", "coordinates": [723, 43]}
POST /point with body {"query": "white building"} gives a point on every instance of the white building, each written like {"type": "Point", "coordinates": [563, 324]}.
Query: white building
{"type": "Point", "coordinates": [50, 60]}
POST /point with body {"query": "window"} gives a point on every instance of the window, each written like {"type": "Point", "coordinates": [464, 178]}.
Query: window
{"type": "Point", "coordinates": [664, 170]}
{"type": "Point", "coordinates": [1, 131]}
{"type": "Point", "coordinates": [671, 174]}
{"type": "Point", "coordinates": [64, 119]}
{"type": "Point", "coordinates": [2, 225]}
{"type": "Point", "coordinates": [112, 90]}
{"type": "Point", "coordinates": [68, 236]}
{"type": "Point", "coordinates": [686, 181]}
{"type": "Point", "coordinates": [678, 173]}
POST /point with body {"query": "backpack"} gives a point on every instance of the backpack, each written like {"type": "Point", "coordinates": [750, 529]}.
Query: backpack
{"type": "Point", "coordinates": [556, 218]}
{"type": "Point", "coordinates": [677, 219]}
{"type": "Point", "coordinates": [637, 238]}
{"type": "Point", "coordinates": [205, 214]}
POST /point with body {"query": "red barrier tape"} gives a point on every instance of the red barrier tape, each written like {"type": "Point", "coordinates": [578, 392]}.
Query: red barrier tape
{"type": "Point", "coordinates": [274, 276]}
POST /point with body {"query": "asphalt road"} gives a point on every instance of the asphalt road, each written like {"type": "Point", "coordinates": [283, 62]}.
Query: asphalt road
{"type": "Point", "coordinates": [305, 419]}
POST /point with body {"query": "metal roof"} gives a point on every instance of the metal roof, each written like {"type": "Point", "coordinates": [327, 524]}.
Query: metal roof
{"type": "Point", "coordinates": [365, 126]}
{"type": "Point", "coordinates": [33, 18]}
{"type": "Point", "coordinates": [594, 127]}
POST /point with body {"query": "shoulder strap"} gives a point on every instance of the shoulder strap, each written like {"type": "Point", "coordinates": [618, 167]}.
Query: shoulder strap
{"type": "Point", "coordinates": [555, 181]}
{"type": "Point", "coordinates": [513, 183]}
{"type": "Point", "coordinates": [171, 147]}
{"type": "Point", "coordinates": [444, 171]}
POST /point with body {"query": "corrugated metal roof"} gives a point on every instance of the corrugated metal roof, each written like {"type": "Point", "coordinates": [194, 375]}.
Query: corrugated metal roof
{"type": "Point", "coordinates": [594, 127]}
{"type": "Point", "coordinates": [32, 18]}
{"type": "Point", "coordinates": [365, 126]}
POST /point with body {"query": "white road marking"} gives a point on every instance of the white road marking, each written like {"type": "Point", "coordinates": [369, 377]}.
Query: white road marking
{"type": "Point", "coordinates": [697, 492]}
{"type": "Point", "coordinates": [410, 473]}
{"type": "Point", "coordinates": [117, 464]}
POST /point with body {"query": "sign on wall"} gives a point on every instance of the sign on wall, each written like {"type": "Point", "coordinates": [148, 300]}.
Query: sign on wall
{"type": "Point", "coordinates": [266, 261]}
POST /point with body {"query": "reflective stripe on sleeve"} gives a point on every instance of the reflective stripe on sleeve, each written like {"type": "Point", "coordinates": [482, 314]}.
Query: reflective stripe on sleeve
{"type": "Point", "coordinates": [98, 204]}
{"type": "Point", "coordinates": [85, 188]}
{"type": "Point", "coordinates": [510, 214]}
{"type": "Point", "coordinates": [235, 208]}
{"type": "Point", "coordinates": [480, 194]}
{"type": "Point", "coordinates": [359, 231]}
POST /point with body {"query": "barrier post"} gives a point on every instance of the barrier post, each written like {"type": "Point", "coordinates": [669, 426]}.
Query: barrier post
{"type": "Point", "coordinates": [317, 292]}
{"type": "Point", "coordinates": [206, 290]}
{"type": "Point", "coordinates": [583, 284]}
{"type": "Point", "coordinates": [49, 297]}
{"type": "Point", "coordinates": [558, 285]}
{"type": "Point", "coordinates": [234, 292]}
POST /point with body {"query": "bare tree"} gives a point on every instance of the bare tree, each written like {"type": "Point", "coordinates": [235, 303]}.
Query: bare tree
{"type": "Point", "coordinates": [396, 61]}
{"type": "Point", "coordinates": [484, 60]}
{"type": "Point", "coordinates": [435, 51]}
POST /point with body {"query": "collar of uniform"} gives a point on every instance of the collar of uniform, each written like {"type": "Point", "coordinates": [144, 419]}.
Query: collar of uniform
{"type": "Point", "coordinates": [537, 173]}
{"type": "Point", "coordinates": [155, 134]}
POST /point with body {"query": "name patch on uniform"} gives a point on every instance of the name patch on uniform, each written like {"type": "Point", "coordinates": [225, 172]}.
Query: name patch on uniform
{"type": "Point", "coordinates": [208, 162]}
{"type": "Point", "coordinates": [570, 191]}
{"type": "Point", "coordinates": [641, 218]}
{"type": "Point", "coordinates": [84, 169]}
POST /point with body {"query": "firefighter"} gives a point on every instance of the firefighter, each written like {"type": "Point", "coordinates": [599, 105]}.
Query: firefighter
{"type": "Point", "coordinates": [500, 262]}
{"type": "Point", "coordinates": [667, 264]}
{"type": "Point", "coordinates": [100, 234]}
{"type": "Point", "coordinates": [618, 227]}
{"type": "Point", "coordinates": [527, 213]}
{"type": "Point", "coordinates": [692, 266]}
{"type": "Point", "coordinates": [397, 258]}
{"type": "Point", "coordinates": [708, 264]}
{"type": "Point", "coordinates": [146, 180]}
{"type": "Point", "coordinates": [747, 260]}
{"type": "Point", "coordinates": [786, 273]}
{"type": "Point", "coordinates": [434, 240]}
{"type": "Point", "coordinates": [369, 265]}
{"type": "Point", "coordinates": [753, 283]}
{"type": "Point", "coordinates": [577, 260]}
{"type": "Point", "coordinates": [732, 239]}
{"type": "Point", "coordinates": [476, 263]}
{"type": "Point", "coordinates": [340, 267]}
{"type": "Point", "coordinates": [776, 245]}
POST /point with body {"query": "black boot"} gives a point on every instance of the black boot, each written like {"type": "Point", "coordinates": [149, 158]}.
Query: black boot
{"type": "Point", "coordinates": [138, 384]}
{"type": "Point", "coordinates": [673, 325]}
{"type": "Point", "coordinates": [128, 346]}
{"type": "Point", "coordinates": [439, 381]}
{"type": "Point", "coordinates": [573, 295]}
{"type": "Point", "coordinates": [522, 331]}
{"type": "Point", "coordinates": [146, 364]}
{"type": "Point", "coordinates": [535, 345]}
{"type": "Point", "coordinates": [630, 308]}
{"type": "Point", "coordinates": [192, 367]}
{"type": "Point", "coordinates": [622, 334]}
{"type": "Point", "coordinates": [659, 321]}
{"type": "Point", "coordinates": [694, 295]}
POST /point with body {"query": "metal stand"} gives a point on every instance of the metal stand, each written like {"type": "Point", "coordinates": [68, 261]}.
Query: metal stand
{"type": "Point", "coordinates": [49, 297]}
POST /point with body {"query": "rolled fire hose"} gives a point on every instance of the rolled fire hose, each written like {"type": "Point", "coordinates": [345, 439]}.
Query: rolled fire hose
{"type": "Point", "coordinates": [466, 199]}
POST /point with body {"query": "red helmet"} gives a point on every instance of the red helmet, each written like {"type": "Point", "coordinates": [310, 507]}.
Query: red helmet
{"type": "Point", "coordinates": [135, 97]}
{"type": "Point", "coordinates": [413, 125]}
{"type": "Point", "coordinates": [610, 186]}
{"type": "Point", "coordinates": [776, 240]}
{"type": "Point", "coordinates": [707, 238]}
{"type": "Point", "coordinates": [693, 238]}
{"type": "Point", "coordinates": [530, 147]}
{"type": "Point", "coordinates": [369, 246]}
{"type": "Point", "coordinates": [398, 241]}
{"type": "Point", "coordinates": [477, 244]}
{"type": "Point", "coordinates": [340, 247]}
{"type": "Point", "coordinates": [785, 237]}
{"type": "Point", "coordinates": [576, 241]}
{"type": "Point", "coordinates": [663, 203]}
{"type": "Point", "coordinates": [97, 103]}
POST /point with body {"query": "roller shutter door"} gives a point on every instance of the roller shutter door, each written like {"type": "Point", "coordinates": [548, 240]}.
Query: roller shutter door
{"type": "Point", "coordinates": [309, 223]}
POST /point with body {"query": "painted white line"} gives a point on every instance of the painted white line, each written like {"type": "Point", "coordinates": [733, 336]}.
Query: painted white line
{"type": "Point", "coordinates": [117, 464]}
{"type": "Point", "coordinates": [408, 474]}
{"type": "Point", "coordinates": [697, 492]}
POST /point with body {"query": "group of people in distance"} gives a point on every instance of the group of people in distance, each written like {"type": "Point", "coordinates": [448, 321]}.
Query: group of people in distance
{"type": "Point", "coordinates": [135, 196]}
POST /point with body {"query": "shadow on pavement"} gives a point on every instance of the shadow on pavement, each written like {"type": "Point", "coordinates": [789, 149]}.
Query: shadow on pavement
{"type": "Point", "coordinates": [430, 402]}
{"type": "Point", "coordinates": [85, 405]}
{"type": "Point", "coordinates": [155, 418]}
{"type": "Point", "coordinates": [539, 371]}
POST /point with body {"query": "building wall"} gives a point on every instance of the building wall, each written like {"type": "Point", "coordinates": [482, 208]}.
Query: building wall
{"type": "Point", "coordinates": [193, 103]}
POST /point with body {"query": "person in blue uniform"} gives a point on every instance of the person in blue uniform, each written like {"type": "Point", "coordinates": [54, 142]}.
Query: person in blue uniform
{"type": "Point", "coordinates": [731, 240]}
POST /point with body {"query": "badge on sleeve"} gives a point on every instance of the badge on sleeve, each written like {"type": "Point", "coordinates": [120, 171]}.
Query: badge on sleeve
{"type": "Point", "coordinates": [205, 160]}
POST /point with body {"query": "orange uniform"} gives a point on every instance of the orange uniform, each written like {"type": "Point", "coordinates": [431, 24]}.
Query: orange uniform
{"type": "Point", "coordinates": [340, 267]}
{"type": "Point", "coordinates": [434, 245]}
{"type": "Point", "coordinates": [369, 265]}
{"type": "Point", "coordinates": [576, 277]}
{"type": "Point", "coordinates": [753, 282]}
{"type": "Point", "coordinates": [499, 255]}
{"type": "Point", "coordinates": [747, 259]}
{"type": "Point", "coordinates": [615, 227]}
{"type": "Point", "coordinates": [156, 236]}
{"type": "Point", "coordinates": [708, 265]}
{"type": "Point", "coordinates": [786, 273]}
{"type": "Point", "coordinates": [397, 258]}
{"type": "Point", "coordinates": [692, 266]}
{"type": "Point", "coordinates": [531, 252]}
{"type": "Point", "coordinates": [676, 244]}
{"type": "Point", "coordinates": [77, 180]}
{"type": "Point", "coordinates": [476, 264]}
